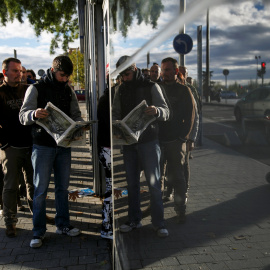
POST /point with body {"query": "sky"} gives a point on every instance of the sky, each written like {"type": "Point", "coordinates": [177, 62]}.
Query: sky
{"type": "Point", "coordinates": [238, 32]}
{"type": "Point", "coordinates": [32, 51]}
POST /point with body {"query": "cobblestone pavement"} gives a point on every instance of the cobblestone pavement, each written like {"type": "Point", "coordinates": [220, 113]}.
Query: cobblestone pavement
{"type": "Point", "coordinates": [228, 219]}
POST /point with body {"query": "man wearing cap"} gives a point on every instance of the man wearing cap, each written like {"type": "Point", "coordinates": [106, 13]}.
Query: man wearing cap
{"type": "Point", "coordinates": [144, 155]}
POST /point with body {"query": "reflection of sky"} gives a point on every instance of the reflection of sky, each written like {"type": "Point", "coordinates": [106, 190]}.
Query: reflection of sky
{"type": "Point", "coordinates": [238, 32]}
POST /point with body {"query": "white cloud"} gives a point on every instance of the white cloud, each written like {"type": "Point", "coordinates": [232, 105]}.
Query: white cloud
{"type": "Point", "coordinates": [238, 32]}
{"type": "Point", "coordinates": [34, 52]}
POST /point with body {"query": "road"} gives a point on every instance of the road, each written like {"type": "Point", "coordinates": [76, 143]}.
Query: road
{"type": "Point", "coordinates": [219, 125]}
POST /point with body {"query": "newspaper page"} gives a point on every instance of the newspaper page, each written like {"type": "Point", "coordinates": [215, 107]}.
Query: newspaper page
{"type": "Point", "coordinates": [129, 129]}
{"type": "Point", "coordinates": [62, 128]}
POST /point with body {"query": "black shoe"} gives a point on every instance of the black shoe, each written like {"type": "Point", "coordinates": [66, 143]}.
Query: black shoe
{"type": "Point", "coordinates": [11, 230]}
{"type": "Point", "coordinates": [181, 218]}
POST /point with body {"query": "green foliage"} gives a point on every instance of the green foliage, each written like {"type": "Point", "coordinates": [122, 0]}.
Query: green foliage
{"type": "Point", "coordinates": [124, 11]}
{"type": "Point", "coordinates": [60, 17]}
{"type": "Point", "coordinates": [77, 59]}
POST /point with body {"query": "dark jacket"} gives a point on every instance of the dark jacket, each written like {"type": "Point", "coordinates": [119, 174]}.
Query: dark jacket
{"type": "Point", "coordinates": [182, 105]}
{"type": "Point", "coordinates": [103, 116]}
{"type": "Point", "coordinates": [13, 133]}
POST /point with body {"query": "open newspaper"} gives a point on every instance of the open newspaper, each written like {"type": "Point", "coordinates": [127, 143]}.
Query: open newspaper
{"type": "Point", "coordinates": [62, 128]}
{"type": "Point", "coordinates": [129, 129]}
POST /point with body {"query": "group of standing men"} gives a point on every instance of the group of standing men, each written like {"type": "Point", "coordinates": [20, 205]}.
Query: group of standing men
{"type": "Point", "coordinates": [26, 146]}
{"type": "Point", "coordinates": [174, 131]}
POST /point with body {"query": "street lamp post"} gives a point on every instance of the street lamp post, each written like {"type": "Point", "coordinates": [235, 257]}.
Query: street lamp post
{"type": "Point", "coordinates": [257, 58]}
{"type": "Point", "coordinates": [226, 73]}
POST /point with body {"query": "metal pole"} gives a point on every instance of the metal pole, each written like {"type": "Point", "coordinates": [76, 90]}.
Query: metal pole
{"type": "Point", "coordinates": [78, 83]}
{"type": "Point", "coordinates": [256, 71]}
{"type": "Point", "coordinates": [15, 54]}
{"type": "Point", "coordinates": [182, 31]}
{"type": "Point", "coordinates": [207, 81]}
{"type": "Point", "coordinates": [199, 72]}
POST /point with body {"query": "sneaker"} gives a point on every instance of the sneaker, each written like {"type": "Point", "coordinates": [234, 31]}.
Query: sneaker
{"type": "Point", "coordinates": [162, 232]}
{"type": "Point", "coordinates": [129, 226]}
{"type": "Point", "coordinates": [107, 235]}
{"type": "Point", "coordinates": [36, 242]}
{"type": "Point", "coordinates": [70, 230]}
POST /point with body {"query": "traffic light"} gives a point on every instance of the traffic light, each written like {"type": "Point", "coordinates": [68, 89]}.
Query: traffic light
{"type": "Point", "coordinates": [263, 65]}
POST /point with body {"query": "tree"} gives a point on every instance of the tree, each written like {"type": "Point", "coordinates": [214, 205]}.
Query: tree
{"type": "Point", "coordinates": [145, 11]}
{"type": "Point", "coordinates": [60, 17]}
{"type": "Point", "coordinates": [77, 76]}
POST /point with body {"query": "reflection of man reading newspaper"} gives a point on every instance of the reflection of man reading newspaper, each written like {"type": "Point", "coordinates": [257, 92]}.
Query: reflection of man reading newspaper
{"type": "Point", "coordinates": [129, 129]}
{"type": "Point", "coordinates": [62, 128]}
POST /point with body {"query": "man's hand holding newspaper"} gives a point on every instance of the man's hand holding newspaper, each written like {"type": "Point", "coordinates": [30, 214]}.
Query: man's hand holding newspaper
{"type": "Point", "coordinates": [129, 129]}
{"type": "Point", "coordinates": [61, 127]}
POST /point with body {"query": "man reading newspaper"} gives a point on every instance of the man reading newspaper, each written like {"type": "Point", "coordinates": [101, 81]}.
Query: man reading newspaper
{"type": "Point", "coordinates": [145, 154]}
{"type": "Point", "coordinates": [46, 155]}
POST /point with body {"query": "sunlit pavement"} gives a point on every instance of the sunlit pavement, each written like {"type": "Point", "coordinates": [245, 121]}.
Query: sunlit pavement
{"type": "Point", "coordinates": [86, 251]}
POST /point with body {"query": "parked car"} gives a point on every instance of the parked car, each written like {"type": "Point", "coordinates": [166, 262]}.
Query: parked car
{"type": "Point", "coordinates": [228, 94]}
{"type": "Point", "coordinates": [255, 104]}
{"type": "Point", "coordinates": [80, 95]}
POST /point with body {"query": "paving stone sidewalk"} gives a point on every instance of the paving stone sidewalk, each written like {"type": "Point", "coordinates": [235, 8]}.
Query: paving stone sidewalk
{"type": "Point", "coordinates": [228, 218]}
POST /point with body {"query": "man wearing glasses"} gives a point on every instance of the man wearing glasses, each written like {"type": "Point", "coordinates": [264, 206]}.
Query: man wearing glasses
{"type": "Point", "coordinates": [144, 155]}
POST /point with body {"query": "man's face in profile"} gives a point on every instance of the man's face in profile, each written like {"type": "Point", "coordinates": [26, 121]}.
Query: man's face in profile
{"type": "Point", "coordinates": [127, 75]}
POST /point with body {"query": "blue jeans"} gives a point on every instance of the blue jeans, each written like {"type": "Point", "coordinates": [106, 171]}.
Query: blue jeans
{"type": "Point", "coordinates": [44, 160]}
{"type": "Point", "coordinates": [137, 157]}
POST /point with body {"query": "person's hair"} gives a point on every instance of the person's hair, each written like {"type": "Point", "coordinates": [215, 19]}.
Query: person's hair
{"type": "Point", "coordinates": [145, 69]}
{"type": "Point", "coordinates": [1, 75]}
{"type": "Point", "coordinates": [62, 63]}
{"type": "Point", "coordinates": [6, 62]}
{"type": "Point", "coordinates": [172, 60]}
{"type": "Point", "coordinates": [183, 67]}
{"type": "Point", "coordinates": [32, 72]}
{"type": "Point", "coordinates": [159, 68]}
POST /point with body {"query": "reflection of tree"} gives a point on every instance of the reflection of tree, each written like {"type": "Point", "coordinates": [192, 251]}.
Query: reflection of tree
{"type": "Point", "coordinates": [60, 17]}
{"type": "Point", "coordinates": [145, 11]}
